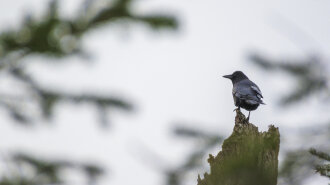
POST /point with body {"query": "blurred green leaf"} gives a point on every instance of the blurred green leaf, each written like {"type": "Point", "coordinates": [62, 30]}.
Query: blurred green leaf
{"type": "Point", "coordinates": [323, 169]}
{"type": "Point", "coordinates": [53, 35]}
{"type": "Point", "coordinates": [310, 74]}
{"type": "Point", "coordinates": [30, 170]}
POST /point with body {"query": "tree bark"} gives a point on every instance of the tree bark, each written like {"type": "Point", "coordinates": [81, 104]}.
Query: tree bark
{"type": "Point", "coordinates": [248, 157]}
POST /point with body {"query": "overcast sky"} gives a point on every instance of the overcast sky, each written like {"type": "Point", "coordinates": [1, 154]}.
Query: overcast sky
{"type": "Point", "coordinates": [170, 77]}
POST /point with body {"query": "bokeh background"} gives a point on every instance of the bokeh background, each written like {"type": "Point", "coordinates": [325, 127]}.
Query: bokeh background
{"type": "Point", "coordinates": [131, 91]}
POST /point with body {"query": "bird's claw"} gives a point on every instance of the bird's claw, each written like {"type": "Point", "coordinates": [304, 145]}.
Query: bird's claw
{"type": "Point", "coordinates": [236, 109]}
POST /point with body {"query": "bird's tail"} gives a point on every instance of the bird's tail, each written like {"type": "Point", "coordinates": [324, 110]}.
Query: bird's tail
{"type": "Point", "coordinates": [261, 102]}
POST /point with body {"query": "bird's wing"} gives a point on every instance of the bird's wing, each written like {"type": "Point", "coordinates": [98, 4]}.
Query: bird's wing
{"type": "Point", "coordinates": [248, 92]}
{"type": "Point", "coordinates": [256, 89]}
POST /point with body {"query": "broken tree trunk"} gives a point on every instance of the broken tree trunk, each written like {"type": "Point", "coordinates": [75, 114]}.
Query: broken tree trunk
{"type": "Point", "coordinates": [248, 157]}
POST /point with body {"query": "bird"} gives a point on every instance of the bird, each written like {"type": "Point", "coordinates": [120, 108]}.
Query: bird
{"type": "Point", "coordinates": [246, 93]}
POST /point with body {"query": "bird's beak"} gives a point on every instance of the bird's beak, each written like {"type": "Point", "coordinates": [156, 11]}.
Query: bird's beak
{"type": "Point", "coordinates": [227, 76]}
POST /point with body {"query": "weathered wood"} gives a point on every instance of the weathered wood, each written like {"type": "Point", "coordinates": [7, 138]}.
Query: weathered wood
{"type": "Point", "coordinates": [248, 157]}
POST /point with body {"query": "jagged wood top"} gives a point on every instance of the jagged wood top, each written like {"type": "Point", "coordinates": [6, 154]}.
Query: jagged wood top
{"type": "Point", "coordinates": [248, 157]}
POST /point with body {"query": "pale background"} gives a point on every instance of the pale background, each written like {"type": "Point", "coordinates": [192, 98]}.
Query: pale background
{"type": "Point", "coordinates": [170, 77]}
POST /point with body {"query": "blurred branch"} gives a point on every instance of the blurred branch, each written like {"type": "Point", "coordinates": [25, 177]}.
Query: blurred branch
{"type": "Point", "coordinates": [56, 36]}
{"type": "Point", "coordinates": [48, 99]}
{"type": "Point", "coordinates": [311, 75]}
{"type": "Point", "coordinates": [183, 131]}
{"type": "Point", "coordinates": [34, 171]}
{"type": "Point", "coordinates": [179, 173]}
{"type": "Point", "coordinates": [319, 154]}
{"type": "Point", "coordinates": [207, 140]}
{"type": "Point", "coordinates": [324, 169]}
{"type": "Point", "coordinates": [296, 167]}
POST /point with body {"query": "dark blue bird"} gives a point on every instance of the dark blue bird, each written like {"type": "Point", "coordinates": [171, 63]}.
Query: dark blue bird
{"type": "Point", "coordinates": [246, 94]}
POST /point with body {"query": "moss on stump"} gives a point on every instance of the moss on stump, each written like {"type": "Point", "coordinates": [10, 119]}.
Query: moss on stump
{"type": "Point", "coordinates": [248, 157]}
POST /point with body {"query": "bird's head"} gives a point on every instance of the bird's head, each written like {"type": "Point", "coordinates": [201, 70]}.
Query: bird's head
{"type": "Point", "coordinates": [236, 76]}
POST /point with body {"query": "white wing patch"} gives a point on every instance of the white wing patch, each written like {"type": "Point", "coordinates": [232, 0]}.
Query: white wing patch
{"type": "Point", "coordinates": [257, 90]}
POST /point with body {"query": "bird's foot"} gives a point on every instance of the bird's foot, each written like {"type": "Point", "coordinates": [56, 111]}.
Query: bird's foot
{"type": "Point", "coordinates": [237, 109]}
{"type": "Point", "coordinates": [247, 119]}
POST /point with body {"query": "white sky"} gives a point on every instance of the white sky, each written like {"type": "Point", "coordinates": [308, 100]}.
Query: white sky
{"type": "Point", "coordinates": [170, 77]}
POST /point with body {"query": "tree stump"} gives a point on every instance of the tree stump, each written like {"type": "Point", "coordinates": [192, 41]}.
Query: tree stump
{"type": "Point", "coordinates": [248, 157]}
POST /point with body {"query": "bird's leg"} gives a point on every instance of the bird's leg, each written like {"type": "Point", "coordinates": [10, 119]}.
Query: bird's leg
{"type": "Point", "coordinates": [247, 119]}
{"type": "Point", "coordinates": [238, 108]}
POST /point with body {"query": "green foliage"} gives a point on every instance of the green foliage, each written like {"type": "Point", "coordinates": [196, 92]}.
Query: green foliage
{"type": "Point", "coordinates": [56, 36]}
{"type": "Point", "coordinates": [296, 166]}
{"type": "Point", "coordinates": [24, 169]}
{"type": "Point", "coordinates": [323, 169]}
{"type": "Point", "coordinates": [310, 74]}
